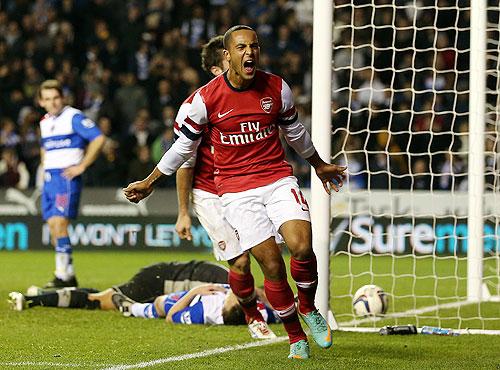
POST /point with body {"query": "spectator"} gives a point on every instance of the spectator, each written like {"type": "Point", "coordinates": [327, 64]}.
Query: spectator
{"type": "Point", "coordinates": [142, 165]}
{"type": "Point", "coordinates": [30, 143]}
{"type": "Point", "coordinates": [378, 171]}
{"type": "Point", "coordinates": [452, 173]}
{"type": "Point", "coordinates": [129, 99]}
{"type": "Point", "coordinates": [168, 116]}
{"type": "Point", "coordinates": [13, 172]}
{"type": "Point", "coordinates": [421, 176]}
{"type": "Point", "coordinates": [9, 138]}
{"type": "Point", "coordinates": [162, 98]}
{"type": "Point", "coordinates": [109, 169]}
{"type": "Point", "coordinates": [132, 29]}
{"type": "Point", "coordinates": [197, 29]}
{"type": "Point", "coordinates": [162, 143]}
{"type": "Point", "coordinates": [140, 134]}
{"type": "Point", "coordinates": [111, 56]}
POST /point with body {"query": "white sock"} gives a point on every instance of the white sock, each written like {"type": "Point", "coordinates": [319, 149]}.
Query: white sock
{"type": "Point", "coordinates": [64, 267]}
{"type": "Point", "coordinates": [64, 259]}
{"type": "Point", "coordinates": [145, 310]}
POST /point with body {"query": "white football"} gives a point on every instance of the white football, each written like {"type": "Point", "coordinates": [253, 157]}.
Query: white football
{"type": "Point", "coordinates": [370, 300]}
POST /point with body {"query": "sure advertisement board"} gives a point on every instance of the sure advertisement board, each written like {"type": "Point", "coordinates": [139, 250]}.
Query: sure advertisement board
{"type": "Point", "coordinates": [402, 225]}
{"type": "Point", "coordinates": [400, 235]}
{"type": "Point", "coordinates": [361, 234]}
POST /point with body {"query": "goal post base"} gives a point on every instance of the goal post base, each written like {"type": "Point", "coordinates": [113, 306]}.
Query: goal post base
{"type": "Point", "coordinates": [332, 322]}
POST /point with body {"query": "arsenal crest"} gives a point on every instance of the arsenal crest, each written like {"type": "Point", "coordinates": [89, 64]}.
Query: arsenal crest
{"type": "Point", "coordinates": [266, 104]}
{"type": "Point", "coordinates": [222, 245]}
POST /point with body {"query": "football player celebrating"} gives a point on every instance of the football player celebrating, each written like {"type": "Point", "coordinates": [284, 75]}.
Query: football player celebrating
{"type": "Point", "coordinates": [244, 110]}
{"type": "Point", "coordinates": [196, 177]}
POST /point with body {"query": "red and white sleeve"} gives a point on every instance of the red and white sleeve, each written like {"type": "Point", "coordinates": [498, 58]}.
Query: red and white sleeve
{"type": "Point", "coordinates": [189, 130]}
{"type": "Point", "coordinates": [293, 130]}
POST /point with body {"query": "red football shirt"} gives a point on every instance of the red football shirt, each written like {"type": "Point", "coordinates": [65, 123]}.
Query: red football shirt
{"type": "Point", "coordinates": [243, 128]}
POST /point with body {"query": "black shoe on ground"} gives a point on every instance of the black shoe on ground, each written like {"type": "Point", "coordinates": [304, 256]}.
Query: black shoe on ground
{"type": "Point", "coordinates": [59, 283]}
{"type": "Point", "coordinates": [122, 303]}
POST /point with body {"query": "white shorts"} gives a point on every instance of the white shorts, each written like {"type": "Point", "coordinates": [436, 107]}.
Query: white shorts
{"type": "Point", "coordinates": [208, 209]}
{"type": "Point", "coordinates": [257, 214]}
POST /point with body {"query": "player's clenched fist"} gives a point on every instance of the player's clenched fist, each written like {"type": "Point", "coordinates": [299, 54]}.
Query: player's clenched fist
{"type": "Point", "coordinates": [138, 190]}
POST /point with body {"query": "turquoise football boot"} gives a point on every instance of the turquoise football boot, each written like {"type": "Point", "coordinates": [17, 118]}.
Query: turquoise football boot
{"type": "Point", "coordinates": [299, 350]}
{"type": "Point", "coordinates": [320, 330]}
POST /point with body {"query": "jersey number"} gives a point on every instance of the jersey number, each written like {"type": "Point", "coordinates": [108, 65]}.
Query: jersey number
{"type": "Point", "coordinates": [299, 197]}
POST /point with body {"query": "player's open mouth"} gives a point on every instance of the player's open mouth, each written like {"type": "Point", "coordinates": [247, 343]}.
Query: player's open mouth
{"type": "Point", "coordinates": [249, 66]}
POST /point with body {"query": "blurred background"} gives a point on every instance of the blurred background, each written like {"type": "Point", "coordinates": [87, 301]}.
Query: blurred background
{"type": "Point", "coordinates": [128, 65]}
{"type": "Point", "coordinates": [399, 102]}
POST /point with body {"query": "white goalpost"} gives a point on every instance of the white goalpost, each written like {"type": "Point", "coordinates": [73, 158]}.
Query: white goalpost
{"type": "Point", "coordinates": [408, 98]}
{"type": "Point", "coordinates": [321, 129]}
{"type": "Point", "coordinates": [477, 103]}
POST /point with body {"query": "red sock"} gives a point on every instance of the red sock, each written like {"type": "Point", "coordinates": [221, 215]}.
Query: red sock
{"type": "Point", "coordinates": [280, 296]}
{"type": "Point", "coordinates": [243, 287]}
{"type": "Point", "coordinates": [305, 274]}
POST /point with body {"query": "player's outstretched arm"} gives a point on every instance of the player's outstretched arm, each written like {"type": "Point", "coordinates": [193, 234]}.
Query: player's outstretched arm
{"type": "Point", "coordinates": [172, 159]}
{"type": "Point", "coordinates": [184, 183]}
{"type": "Point", "coordinates": [139, 190]}
{"type": "Point", "coordinates": [186, 300]}
{"type": "Point", "coordinates": [331, 175]}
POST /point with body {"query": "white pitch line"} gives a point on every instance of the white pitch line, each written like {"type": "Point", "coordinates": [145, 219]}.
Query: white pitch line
{"type": "Point", "coordinates": [412, 312]}
{"type": "Point", "coordinates": [206, 353]}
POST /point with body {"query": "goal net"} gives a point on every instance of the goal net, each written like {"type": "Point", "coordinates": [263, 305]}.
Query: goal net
{"type": "Point", "coordinates": [401, 122]}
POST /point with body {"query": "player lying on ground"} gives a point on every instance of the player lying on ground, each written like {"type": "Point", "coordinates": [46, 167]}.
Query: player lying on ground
{"type": "Point", "coordinates": [206, 304]}
{"type": "Point", "coordinates": [149, 283]}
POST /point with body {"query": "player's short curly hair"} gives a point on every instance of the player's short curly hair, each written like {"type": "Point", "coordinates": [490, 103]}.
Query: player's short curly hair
{"type": "Point", "coordinates": [211, 53]}
{"type": "Point", "coordinates": [227, 35]}
{"type": "Point", "coordinates": [234, 316]}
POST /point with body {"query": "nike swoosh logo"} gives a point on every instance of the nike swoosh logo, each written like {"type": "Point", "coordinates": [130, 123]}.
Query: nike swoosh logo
{"type": "Point", "coordinates": [224, 114]}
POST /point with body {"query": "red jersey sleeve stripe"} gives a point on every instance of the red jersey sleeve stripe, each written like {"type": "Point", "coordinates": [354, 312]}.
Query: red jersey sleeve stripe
{"type": "Point", "coordinates": [177, 130]}
{"type": "Point", "coordinates": [194, 125]}
{"type": "Point", "coordinates": [288, 113]}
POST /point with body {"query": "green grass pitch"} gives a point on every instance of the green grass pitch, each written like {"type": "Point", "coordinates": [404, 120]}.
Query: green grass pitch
{"type": "Point", "coordinates": [435, 281]}
{"type": "Point", "coordinates": [46, 338]}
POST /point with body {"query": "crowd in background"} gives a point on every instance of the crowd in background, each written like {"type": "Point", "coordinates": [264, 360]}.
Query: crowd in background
{"type": "Point", "coordinates": [128, 65]}
{"type": "Point", "coordinates": [401, 96]}
{"type": "Point", "coordinates": [401, 93]}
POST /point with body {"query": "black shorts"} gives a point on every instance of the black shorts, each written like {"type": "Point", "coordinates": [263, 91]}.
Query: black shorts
{"type": "Point", "coordinates": [167, 277]}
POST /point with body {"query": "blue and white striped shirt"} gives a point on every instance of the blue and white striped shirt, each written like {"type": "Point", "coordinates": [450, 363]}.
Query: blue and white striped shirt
{"type": "Point", "coordinates": [65, 136]}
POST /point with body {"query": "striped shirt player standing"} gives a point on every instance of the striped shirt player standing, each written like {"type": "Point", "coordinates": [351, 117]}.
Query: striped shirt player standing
{"type": "Point", "coordinates": [245, 109]}
{"type": "Point", "coordinates": [196, 178]}
{"type": "Point", "coordinates": [70, 143]}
